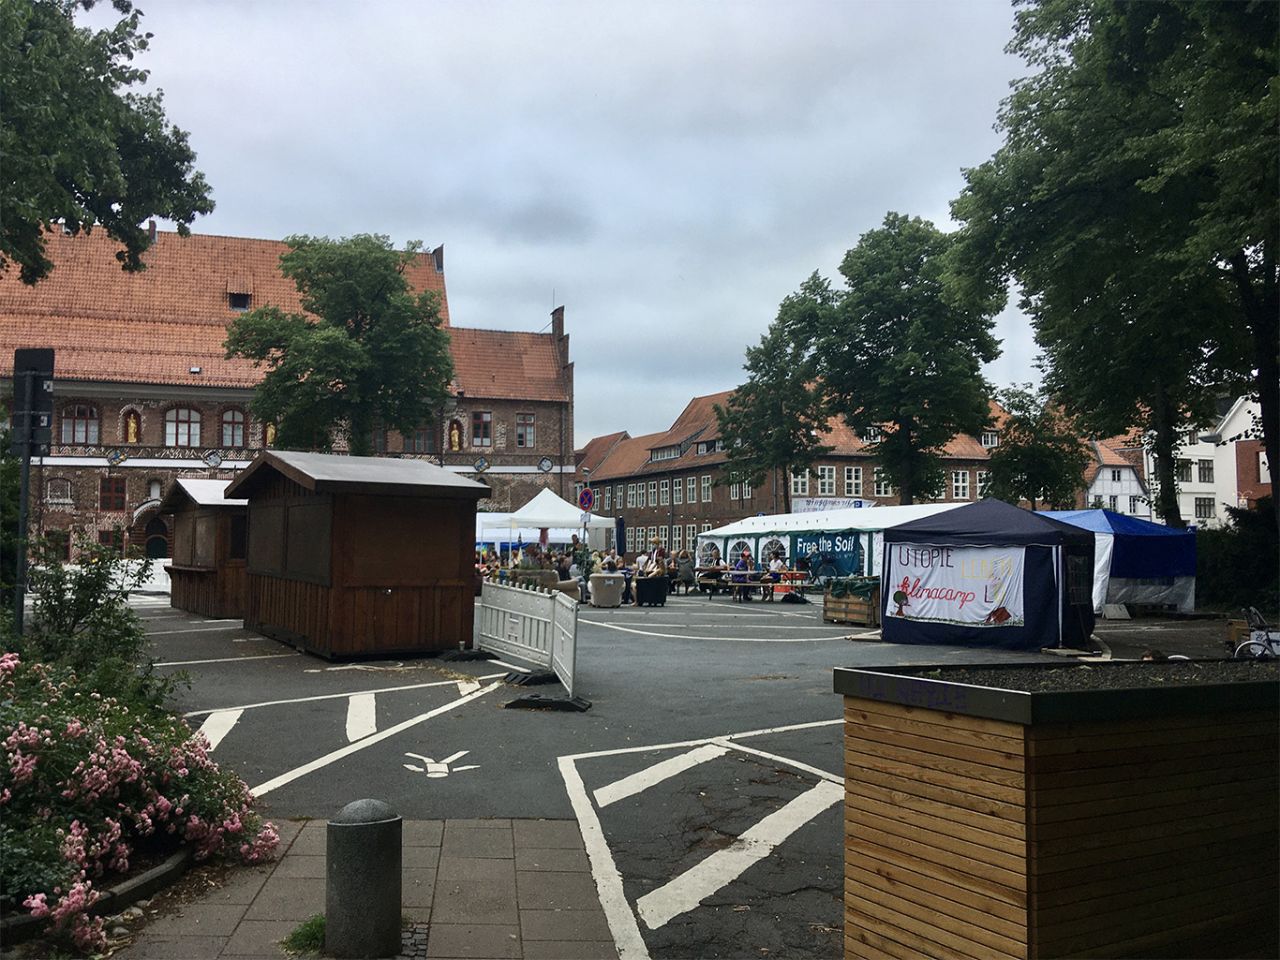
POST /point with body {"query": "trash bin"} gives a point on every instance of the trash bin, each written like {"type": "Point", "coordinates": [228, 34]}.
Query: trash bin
{"type": "Point", "coordinates": [606, 589]}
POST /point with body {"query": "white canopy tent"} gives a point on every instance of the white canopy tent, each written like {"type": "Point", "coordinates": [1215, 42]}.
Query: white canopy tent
{"type": "Point", "coordinates": [561, 518]}
{"type": "Point", "coordinates": [779, 530]}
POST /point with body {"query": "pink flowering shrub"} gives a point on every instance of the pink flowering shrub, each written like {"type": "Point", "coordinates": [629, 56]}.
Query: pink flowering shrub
{"type": "Point", "coordinates": [88, 785]}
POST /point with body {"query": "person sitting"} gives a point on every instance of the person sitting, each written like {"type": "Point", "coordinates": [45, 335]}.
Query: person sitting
{"type": "Point", "coordinates": [777, 567]}
{"type": "Point", "coordinates": [684, 571]}
{"type": "Point", "coordinates": [741, 568]}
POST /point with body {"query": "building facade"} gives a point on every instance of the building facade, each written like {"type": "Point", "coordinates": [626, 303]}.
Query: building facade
{"type": "Point", "coordinates": [670, 486]}
{"type": "Point", "coordinates": [144, 392]}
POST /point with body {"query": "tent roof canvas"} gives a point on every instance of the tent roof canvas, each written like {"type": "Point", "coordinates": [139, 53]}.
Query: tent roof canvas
{"type": "Point", "coordinates": [1142, 549]}
{"type": "Point", "coordinates": [549, 510]}
{"type": "Point", "coordinates": [828, 521]}
{"type": "Point", "coordinates": [989, 523]}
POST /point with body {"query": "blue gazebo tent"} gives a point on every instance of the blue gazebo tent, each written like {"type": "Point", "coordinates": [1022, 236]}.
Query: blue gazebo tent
{"type": "Point", "coordinates": [1137, 561]}
{"type": "Point", "coordinates": [988, 574]}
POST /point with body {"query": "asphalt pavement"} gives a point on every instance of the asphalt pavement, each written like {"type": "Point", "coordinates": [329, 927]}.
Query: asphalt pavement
{"type": "Point", "coordinates": [705, 777]}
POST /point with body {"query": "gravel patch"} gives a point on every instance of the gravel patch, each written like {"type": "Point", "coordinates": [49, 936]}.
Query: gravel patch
{"type": "Point", "coordinates": [1106, 676]}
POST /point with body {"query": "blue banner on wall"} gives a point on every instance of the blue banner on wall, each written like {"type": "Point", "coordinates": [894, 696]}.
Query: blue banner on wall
{"type": "Point", "coordinates": [841, 552]}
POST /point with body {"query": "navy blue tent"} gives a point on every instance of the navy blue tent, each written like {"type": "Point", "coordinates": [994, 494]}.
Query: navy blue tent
{"type": "Point", "coordinates": [1137, 561]}
{"type": "Point", "coordinates": [988, 574]}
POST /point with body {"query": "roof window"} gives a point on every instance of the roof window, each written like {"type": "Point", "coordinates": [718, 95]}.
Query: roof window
{"type": "Point", "coordinates": [239, 302]}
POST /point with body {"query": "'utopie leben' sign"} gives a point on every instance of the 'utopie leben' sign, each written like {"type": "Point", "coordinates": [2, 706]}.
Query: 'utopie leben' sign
{"type": "Point", "coordinates": [973, 586]}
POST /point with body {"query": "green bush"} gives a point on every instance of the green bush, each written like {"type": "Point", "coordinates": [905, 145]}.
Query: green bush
{"type": "Point", "coordinates": [1236, 564]}
{"type": "Point", "coordinates": [95, 772]}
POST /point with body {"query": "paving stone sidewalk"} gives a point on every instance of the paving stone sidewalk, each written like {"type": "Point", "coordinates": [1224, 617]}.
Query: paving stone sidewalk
{"type": "Point", "coordinates": [476, 889]}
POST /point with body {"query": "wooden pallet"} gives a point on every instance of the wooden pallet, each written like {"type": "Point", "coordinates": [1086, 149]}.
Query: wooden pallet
{"type": "Point", "coordinates": [852, 610]}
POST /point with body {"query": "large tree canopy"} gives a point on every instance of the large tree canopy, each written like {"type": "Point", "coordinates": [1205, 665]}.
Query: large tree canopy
{"type": "Point", "coordinates": [1137, 203]}
{"type": "Point", "coordinates": [900, 349]}
{"type": "Point", "coordinates": [772, 422]}
{"type": "Point", "coordinates": [77, 148]}
{"type": "Point", "coordinates": [1041, 458]}
{"type": "Point", "coordinates": [367, 353]}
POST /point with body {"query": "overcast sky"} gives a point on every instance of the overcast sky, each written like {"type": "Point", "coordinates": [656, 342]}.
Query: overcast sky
{"type": "Point", "coordinates": [666, 171]}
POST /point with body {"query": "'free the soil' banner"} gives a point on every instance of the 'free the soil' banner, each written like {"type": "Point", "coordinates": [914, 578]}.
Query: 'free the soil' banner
{"type": "Point", "coordinates": [973, 586]}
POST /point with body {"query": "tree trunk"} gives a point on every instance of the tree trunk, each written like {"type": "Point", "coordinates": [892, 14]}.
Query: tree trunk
{"type": "Point", "coordinates": [359, 437]}
{"type": "Point", "coordinates": [1262, 317]}
{"type": "Point", "coordinates": [786, 489]}
{"type": "Point", "coordinates": [1165, 445]}
{"type": "Point", "coordinates": [907, 482]}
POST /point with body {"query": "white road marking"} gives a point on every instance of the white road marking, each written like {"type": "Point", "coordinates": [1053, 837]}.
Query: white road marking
{"type": "Point", "coordinates": [218, 725]}
{"type": "Point", "coordinates": [369, 741]}
{"type": "Point", "coordinates": [436, 769]}
{"type": "Point", "coordinates": [362, 716]}
{"type": "Point", "coordinates": [511, 666]}
{"type": "Point", "coordinates": [192, 663]}
{"type": "Point", "coordinates": [697, 883]}
{"type": "Point", "coordinates": [817, 772]}
{"type": "Point", "coordinates": [613, 901]}
{"type": "Point", "coordinates": [337, 696]}
{"type": "Point", "coordinates": [228, 620]}
{"type": "Point", "coordinates": [685, 636]}
{"type": "Point", "coordinates": [176, 633]}
{"type": "Point", "coordinates": [467, 686]}
{"type": "Point", "coordinates": [622, 922]}
{"type": "Point", "coordinates": [664, 770]}
{"type": "Point", "coordinates": [372, 668]}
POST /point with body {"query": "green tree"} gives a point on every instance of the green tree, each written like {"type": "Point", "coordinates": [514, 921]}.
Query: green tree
{"type": "Point", "coordinates": [368, 351]}
{"type": "Point", "coordinates": [1137, 202]}
{"type": "Point", "coordinates": [901, 350]}
{"type": "Point", "coordinates": [80, 149]}
{"type": "Point", "coordinates": [1041, 458]}
{"type": "Point", "coordinates": [772, 422]}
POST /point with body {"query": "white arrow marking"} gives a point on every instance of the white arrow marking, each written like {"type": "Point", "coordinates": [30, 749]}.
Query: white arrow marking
{"type": "Point", "coordinates": [467, 686]}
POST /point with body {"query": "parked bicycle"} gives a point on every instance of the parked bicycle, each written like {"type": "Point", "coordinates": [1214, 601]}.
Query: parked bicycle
{"type": "Point", "coordinates": [1263, 641]}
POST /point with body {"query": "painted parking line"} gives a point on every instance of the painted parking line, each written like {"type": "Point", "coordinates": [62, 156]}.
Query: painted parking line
{"type": "Point", "coordinates": [687, 636]}
{"type": "Point", "coordinates": [336, 755]}
{"type": "Point", "coordinates": [362, 716]}
{"type": "Point", "coordinates": [178, 633]}
{"type": "Point", "coordinates": [604, 869]}
{"type": "Point", "coordinates": [663, 770]}
{"type": "Point", "coordinates": [700, 881]}
{"type": "Point", "coordinates": [193, 663]}
{"type": "Point", "coordinates": [217, 725]}
{"type": "Point", "coordinates": [340, 696]}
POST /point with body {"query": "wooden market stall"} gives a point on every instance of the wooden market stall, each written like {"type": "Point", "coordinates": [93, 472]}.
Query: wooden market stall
{"type": "Point", "coordinates": [207, 574]}
{"type": "Point", "coordinates": [359, 556]}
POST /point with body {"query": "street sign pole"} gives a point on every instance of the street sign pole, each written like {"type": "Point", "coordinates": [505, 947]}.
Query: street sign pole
{"type": "Point", "coordinates": [20, 569]}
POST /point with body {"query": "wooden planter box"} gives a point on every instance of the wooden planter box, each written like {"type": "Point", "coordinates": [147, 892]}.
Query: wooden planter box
{"type": "Point", "coordinates": [988, 822]}
{"type": "Point", "coordinates": [852, 609]}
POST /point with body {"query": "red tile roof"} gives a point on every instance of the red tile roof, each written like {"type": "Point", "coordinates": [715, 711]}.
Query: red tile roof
{"type": "Point", "coordinates": [627, 458]}
{"type": "Point", "coordinates": [154, 326]}
{"type": "Point", "coordinates": [594, 453]}
{"type": "Point", "coordinates": [499, 364]}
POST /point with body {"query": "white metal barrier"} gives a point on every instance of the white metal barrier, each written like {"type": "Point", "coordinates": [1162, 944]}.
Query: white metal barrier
{"type": "Point", "coordinates": [531, 624]}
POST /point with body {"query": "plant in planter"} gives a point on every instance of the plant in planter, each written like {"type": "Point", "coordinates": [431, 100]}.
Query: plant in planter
{"type": "Point", "coordinates": [1114, 809]}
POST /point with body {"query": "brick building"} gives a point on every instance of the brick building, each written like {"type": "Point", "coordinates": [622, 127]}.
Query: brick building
{"type": "Point", "coordinates": [144, 393]}
{"type": "Point", "coordinates": [670, 485]}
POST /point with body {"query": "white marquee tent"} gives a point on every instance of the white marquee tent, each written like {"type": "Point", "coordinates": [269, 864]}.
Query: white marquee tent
{"type": "Point", "coordinates": [561, 518]}
{"type": "Point", "coordinates": [781, 530]}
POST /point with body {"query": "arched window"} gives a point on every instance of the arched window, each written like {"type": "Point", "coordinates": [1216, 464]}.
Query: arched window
{"type": "Point", "coordinates": [182, 427]}
{"type": "Point", "coordinates": [58, 490]}
{"type": "Point", "coordinates": [80, 424]}
{"type": "Point", "coordinates": [232, 428]}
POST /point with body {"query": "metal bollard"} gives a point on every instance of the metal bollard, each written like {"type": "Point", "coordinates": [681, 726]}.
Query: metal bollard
{"type": "Point", "coordinates": [362, 881]}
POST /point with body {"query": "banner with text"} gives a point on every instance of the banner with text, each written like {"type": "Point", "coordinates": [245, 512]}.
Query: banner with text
{"type": "Point", "coordinates": [830, 554]}
{"type": "Point", "coordinates": [973, 586]}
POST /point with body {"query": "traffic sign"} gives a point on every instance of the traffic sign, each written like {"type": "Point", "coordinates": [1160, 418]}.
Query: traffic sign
{"type": "Point", "coordinates": [587, 498]}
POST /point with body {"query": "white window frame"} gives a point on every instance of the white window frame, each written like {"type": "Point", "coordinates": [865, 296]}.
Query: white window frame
{"type": "Point", "coordinates": [640, 500]}
{"type": "Point", "coordinates": [1135, 505]}
{"type": "Point", "coordinates": [631, 494]}
{"type": "Point", "coordinates": [982, 483]}
{"type": "Point", "coordinates": [735, 491]}
{"type": "Point", "coordinates": [664, 493]}
{"type": "Point", "coordinates": [677, 490]}
{"type": "Point", "coordinates": [883, 488]}
{"type": "Point", "coordinates": [1206, 508]}
{"type": "Point", "coordinates": [989, 439]}
{"type": "Point", "coordinates": [1113, 503]}
{"type": "Point", "coordinates": [1115, 474]}
{"type": "Point", "coordinates": [608, 499]}
{"type": "Point", "coordinates": [653, 493]}
{"type": "Point", "coordinates": [853, 481]}
{"type": "Point", "coordinates": [826, 481]}
{"type": "Point", "coordinates": [691, 490]}
{"type": "Point", "coordinates": [959, 484]}
{"type": "Point", "coordinates": [706, 488]}
{"type": "Point", "coordinates": [677, 537]}
{"type": "Point", "coordinates": [182, 433]}
{"type": "Point", "coordinates": [691, 534]}
{"type": "Point", "coordinates": [800, 484]}
{"type": "Point", "coordinates": [746, 490]}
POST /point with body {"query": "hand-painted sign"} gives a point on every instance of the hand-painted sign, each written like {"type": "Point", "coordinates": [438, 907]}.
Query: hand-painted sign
{"type": "Point", "coordinates": [974, 586]}
{"type": "Point", "coordinates": [836, 554]}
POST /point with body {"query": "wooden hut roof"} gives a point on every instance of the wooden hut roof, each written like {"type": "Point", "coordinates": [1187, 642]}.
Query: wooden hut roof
{"type": "Point", "coordinates": [331, 473]}
{"type": "Point", "coordinates": [202, 493]}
